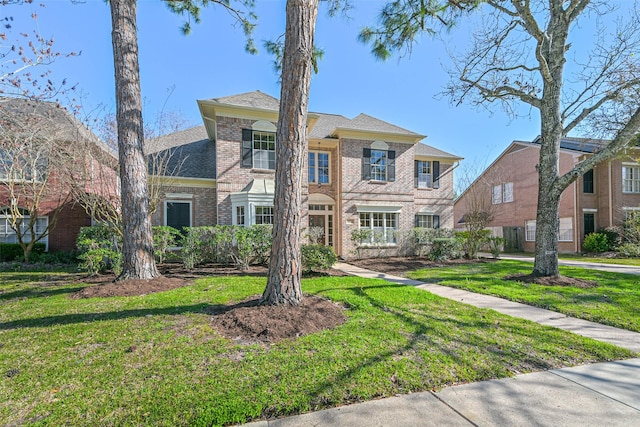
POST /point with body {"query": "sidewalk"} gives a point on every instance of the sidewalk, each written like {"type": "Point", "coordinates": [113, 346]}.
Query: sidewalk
{"type": "Point", "coordinates": [591, 395]}
{"type": "Point", "coordinates": [612, 268]}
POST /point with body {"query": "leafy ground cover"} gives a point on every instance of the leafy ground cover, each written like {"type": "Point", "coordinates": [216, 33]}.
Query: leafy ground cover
{"type": "Point", "coordinates": [157, 359]}
{"type": "Point", "coordinates": [614, 300]}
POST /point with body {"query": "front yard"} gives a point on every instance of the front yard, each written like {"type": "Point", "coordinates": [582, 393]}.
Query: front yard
{"type": "Point", "coordinates": [157, 359]}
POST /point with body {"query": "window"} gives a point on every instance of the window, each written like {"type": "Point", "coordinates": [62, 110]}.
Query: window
{"type": "Point", "coordinates": [240, 215]}
{"type": "Point", "coordinates": [427, 221]}
{"type": "Point", "coordinates": [565, 233]}
{"type": "Point", "coordinates": [631, 179]}
{"type": "Point", "coordinates": [587, 182]}
{"type": "Point", "coordinates": [427, 174]}
{"type": "Point", "coordinates": [502, 193]}
{"type": "Point", "coordinates": [258, 149]}
{"type": "Point", "coordinates": [22, 166]}
{"type": "Point", "coordinates": [178, 214]}
{"type": "Point", "coordinates": [383, 226]}
{"type": "Point", "coordinates": [378, 165]}
{"type": "Point", "coordinates": [7, 235]}
{"type": "Point", "coordinates": [264, 214]}
{"type": "Point", "coordinates": [319, 167]}
{"type": "Point", "coordinates": [496, 195]}
{"type": "Point", "coordinates": [566, 230]}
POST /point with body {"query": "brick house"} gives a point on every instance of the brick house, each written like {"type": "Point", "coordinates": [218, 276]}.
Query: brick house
{"type": "Point", "coordinates": [361, 173]}
{"type": "Point", "coordinates": [599, 199]}
{"type": "Point", "coordinates": [40, 139]}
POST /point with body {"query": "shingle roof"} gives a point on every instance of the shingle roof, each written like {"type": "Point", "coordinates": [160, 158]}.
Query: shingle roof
{"type": "Point", "coordinates": [582, 145]}
{"type": "Point", "coordinates": [52, 118]}
{"type": "Point", "coordinates": [254, 99]}
{"type": "Point", "coordinates": [191, 153]}
{"type": "Point", "coordinates": [327, 124]}
{"type": "Point", "coordinates": [368, 123]}
{"type": "Point", "coordinates": [422, 149]}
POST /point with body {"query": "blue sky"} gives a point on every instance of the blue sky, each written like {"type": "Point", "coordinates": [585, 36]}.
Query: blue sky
{"type": "Point", "coordinates": [211, 62]}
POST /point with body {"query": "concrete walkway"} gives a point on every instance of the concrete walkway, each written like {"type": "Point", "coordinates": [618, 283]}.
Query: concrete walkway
{"type": "Point", "coordinates": [602, 394]}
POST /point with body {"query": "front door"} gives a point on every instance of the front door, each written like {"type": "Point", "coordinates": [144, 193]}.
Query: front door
{"type": "Point", "coordinates": [317, 230]}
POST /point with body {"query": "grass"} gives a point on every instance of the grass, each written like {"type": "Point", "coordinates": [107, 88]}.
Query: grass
{"type": "Point", "coordinates": [615, 301]}
{"type": "Point", "coordinates": [602, 260]}
{"type": "Point", "coordinates": [70, 362]}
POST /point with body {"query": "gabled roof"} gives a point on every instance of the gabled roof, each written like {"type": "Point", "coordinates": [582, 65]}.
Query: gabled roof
{"type": "Point", "coordinates": [255, 99]}
{"type": "Point", "coordinates": [52, 119]}
{"type": "Point", "coordinates": [422, 149]}
{"type": "Point", "coordinates": [326, 125]}
{"type": "Point", "coordinates": [368, 123]}
{"type": "Point", "coordinates": [189, 153]}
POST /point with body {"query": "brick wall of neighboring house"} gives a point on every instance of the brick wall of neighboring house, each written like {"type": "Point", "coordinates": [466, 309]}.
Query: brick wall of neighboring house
{"type": "Point", "coordinates": [64, 235]}
{"type": "Point", "coordinates": [356, 191]}
{"type": "Point", "coordinates": [438, 200]}
{"type": "Point", "coordinates": [519, 167]}
{"type": "Point", "coordinates": [203, 204]}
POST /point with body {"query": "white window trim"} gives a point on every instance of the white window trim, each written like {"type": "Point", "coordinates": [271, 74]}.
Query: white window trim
{"type": "Point", "coordinates": [372, 165]}
{"type": "Point", "coordinates": [385, 229]}
{"type": "Point", "coordinates": [27, 236]}
{"type": "Point", "coordinates": [496, 194]}
{"type": "Point", "coordinates": [315, 181]}
{"type": "Point", "coordinates": [428, 182]}
{"type": "Point", "coordinates": [635, 189]}
{"type": "Point", "coordinates": [506, 193]}
{"type": "Point", "coordinates": [528, 228]}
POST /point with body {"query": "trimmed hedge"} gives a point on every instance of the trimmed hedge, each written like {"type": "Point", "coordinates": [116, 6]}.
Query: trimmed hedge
{"type": "Point", "coordinates": [14, 252]}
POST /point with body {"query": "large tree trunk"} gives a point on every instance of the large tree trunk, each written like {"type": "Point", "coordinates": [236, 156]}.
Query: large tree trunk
{"type": "Point", "coordinates": [285, 266]}
{"type": "Point", "coordinates": [138, 261]}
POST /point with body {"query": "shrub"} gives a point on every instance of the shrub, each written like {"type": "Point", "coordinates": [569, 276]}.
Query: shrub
{"type": "Point", "coordinates": [614, 236]}
{"type": "Point", "coordinates": [472, 242]}
{"type": "Point", "coordinates": [630, 250]}
{"type": "Point", "coordinates": [596, 243]}
{"type": "Point", "coordinates": [251, 245]}
{"type": "Point", "coordinates": [444, 248]}
{"type": "Point", "coordinates": [100, 249]}
{"type": "Point", "coordinates": [423, 238]}
{"type": "Point", "coordinates": [14, 252]}
{"type": "Point", "coordinates": [164, 238]}
{"type": "Point", "coordinates": [495, 245]}
{"type": "Point", "coordinates": [317, 257]}
{"type": "Point", "coordinates": [59, 257]}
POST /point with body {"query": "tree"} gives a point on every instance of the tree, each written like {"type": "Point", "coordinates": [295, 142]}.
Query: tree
{"type": "Point", "coordinates": [520, 55]}
{"type": "Point", "coordinates": [38, 153]}
{"type": "Point", "coordinates": [138, 261]}
{"type": "Point", "coordinates": [285, 264]}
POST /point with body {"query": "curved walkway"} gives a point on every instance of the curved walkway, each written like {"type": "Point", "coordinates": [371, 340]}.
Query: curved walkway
{"type": "Point", "coordinates": [591, 395]}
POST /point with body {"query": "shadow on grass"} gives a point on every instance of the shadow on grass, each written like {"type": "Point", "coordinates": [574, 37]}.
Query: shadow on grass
{"type": "Point", "coordinates": [39, 292]}
{"type": "Point", "coordinates": [67, 319]}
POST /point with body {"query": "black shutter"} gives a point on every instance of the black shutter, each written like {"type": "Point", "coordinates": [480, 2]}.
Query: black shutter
{"type": "Point", "coordinates": [436, 221]}
{"type": "Point", "coordinates": [415, 173]}
{"type": "Point", "coordinates": [436, 174]}
{"type": "Point", "coordinates": [366, 164]}
{"type": "Point", "coordinates": [247, 148]}
{"type": "Point", "coordinates": [391, 166]}
{"type": "Point", "coordinates": [417, 220]}
{"type": "Point", "coordinates": [587, 182]}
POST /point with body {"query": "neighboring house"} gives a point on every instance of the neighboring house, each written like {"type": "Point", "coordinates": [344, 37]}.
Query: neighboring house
{"type": "Point", "coordinates": [600, 198]}
{"type": "Point", "coordinates": [45, 152]}
{"type": "Point", "coordinates": [361, 173]}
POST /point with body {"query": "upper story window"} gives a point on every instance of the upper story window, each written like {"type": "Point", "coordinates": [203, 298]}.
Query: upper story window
{"type": "Point", "coordinates": [22, 167]}
{"type": "Point", "coordinates": [587, 182]}
{"type": "Point", "coordinates": [259, 146]}
{"type": "Point", "coordinates": [631, 179]}
{"type": "Point", "coordinates": [502, 193]}
{"type": "Point", "coordinates": [378, 163]}
{"type": "Point", "coordinates": [319, 167]}
{"type": "Point", "coordinates": [427, 174]}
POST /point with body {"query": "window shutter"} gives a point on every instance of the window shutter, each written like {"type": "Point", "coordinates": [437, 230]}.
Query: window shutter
{"type": "Point", "coordinates": [247, 148]}
{"type": "Point", "coordinates": [415, 174]}
{"type": "Point", "coordinates": [391, 166]}
{"type": "Point", "coordinates": [366, 164]}
{"type": "Point", "coordinates": [436, 174]}
{"type": "Point", "coordinates": [436, 221]}
{"type": "Point", "coordinates": [417, 221]}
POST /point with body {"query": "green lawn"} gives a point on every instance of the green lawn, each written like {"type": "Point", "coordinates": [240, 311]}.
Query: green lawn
{"type": "Point", "coordinates": [615, 301]}
{"type": "Point", "coordinates": [69, 362]}
{"type": "Point", "coordinates": [620, 261]}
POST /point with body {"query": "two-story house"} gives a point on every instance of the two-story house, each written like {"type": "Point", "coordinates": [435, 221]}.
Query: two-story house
{"type": "Point", "coordinates": [361, 173]}
{"type": "Point", "coordinates": [509, 189]}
